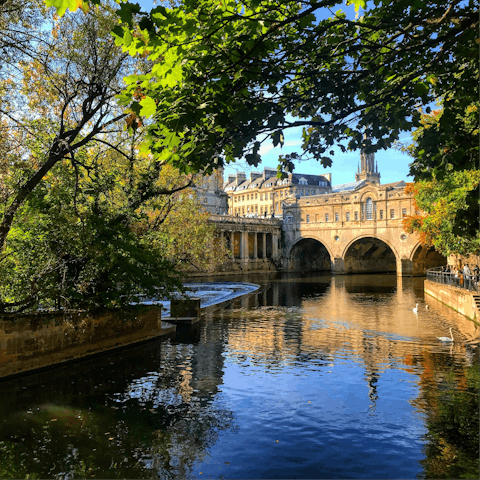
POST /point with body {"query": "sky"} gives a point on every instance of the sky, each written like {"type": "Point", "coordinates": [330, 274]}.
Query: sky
{"type": "Point", "coordinates": [393, 165]}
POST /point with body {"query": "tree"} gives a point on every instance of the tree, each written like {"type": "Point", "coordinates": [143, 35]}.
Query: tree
{"type": "Point", "coordinates": [445, 165]}
{"type": "Point", "coordinates": [227, 76]}
{"type": "Point", "coordinates": [230, 75]}
{"type": "Point", "coordinates": [76, 194]}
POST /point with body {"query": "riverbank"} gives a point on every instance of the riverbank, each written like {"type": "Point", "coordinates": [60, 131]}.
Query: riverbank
{"type": "Point", "coordinates": [462, 301]}
{"type": "Point", "coordinates": [42, 340]}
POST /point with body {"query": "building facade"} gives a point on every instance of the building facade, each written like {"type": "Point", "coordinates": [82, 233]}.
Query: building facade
{"type": "Point", "coordinates": [210, 193]}
{"type": "Point", "coordinates": [263, 194]}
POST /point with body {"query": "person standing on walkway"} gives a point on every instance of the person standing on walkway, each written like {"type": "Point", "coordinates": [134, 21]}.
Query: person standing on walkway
{"type": "Point", "coordinates": [476, 273]}
{"type": "Point", "coordinates": [466, 274]}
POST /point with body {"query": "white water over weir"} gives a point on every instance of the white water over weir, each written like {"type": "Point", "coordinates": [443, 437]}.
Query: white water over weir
{"type": "Point", "coordinates": [211, 293]}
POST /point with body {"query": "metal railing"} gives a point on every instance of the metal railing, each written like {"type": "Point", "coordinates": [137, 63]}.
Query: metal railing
{"type": "Point", "coordinates": [458, 280]}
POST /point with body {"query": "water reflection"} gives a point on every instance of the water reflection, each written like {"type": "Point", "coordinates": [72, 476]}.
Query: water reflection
{"type": "Point", "coordinates": [309, 377]}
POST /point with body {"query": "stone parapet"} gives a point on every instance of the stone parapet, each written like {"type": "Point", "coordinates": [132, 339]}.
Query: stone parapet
{"type": "Point", "coordinates": [458, 299]}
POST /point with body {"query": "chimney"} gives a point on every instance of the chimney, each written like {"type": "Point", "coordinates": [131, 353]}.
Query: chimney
{"type": "Point", "coordinates": [328, 176]}
{"type": "Point", "coordinates": [231, 178]}
{"type": "Point", "coordinates": [241, 177]}
{"type": "Point", "coordinates": [269, 173]}
{"type": "Point", "coordinates": [254, 176]}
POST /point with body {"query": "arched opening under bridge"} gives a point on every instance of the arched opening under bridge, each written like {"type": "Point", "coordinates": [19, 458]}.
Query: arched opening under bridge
{"type": "Point", "coordinates": [425, 258]}
{"type": "Point", "coordinates": [370, 255]}
{"type": "Point", "coordinates": [309, 255]}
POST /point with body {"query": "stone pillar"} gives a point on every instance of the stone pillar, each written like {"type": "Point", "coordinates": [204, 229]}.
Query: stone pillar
{"type": "Point", "coordinates": [338, 265]}
{"type": "Point", "coordinates": [255, 246]}
{"type": "Point", "coordinates": [244, 246]}
{"type": "Point", "coordinates": [404, 267]}
{"type": "Point", "coordinates": [264, 241]}
{"type": "Point", "coordinates": [274, 246]}
{"type": "Point", "coordinates": [232, 244]}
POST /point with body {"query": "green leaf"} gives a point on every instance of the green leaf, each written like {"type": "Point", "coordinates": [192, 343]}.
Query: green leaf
{"type": "Point", "coordinates": [420, 88]}
{"type": "Point", "coordinates": [126, 12]}
{"type": "Point", "coordinates": [127, 38]}
{"type": "Point", "coordinates": [278, 138]}
{"type": "Point", "coordinates": [62, 5]}
{"type": "Point", "coordinates": [149, 107]}
{"type": "Point", "coordinates": [358, 4]}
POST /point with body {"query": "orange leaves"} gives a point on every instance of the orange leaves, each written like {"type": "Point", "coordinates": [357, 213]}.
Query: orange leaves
{"type": "Point", "coordinates": [133, 121]}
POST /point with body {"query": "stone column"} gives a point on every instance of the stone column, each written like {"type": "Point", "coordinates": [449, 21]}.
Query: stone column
{"type": "Point", "coordinates": [274, 245]}
{"type": "Point", "coordinates": [244, 246]}
{"type": "Point", "coordinates": [264, 242]}
{"type": "Point", "coordinates": [232, 244]}
{"type": "Point", "coordinates": [338, 265]}
{"type": "Point", "coordinates": [255, 246]}
{"type": "Point", "coordinates": [404, 267]}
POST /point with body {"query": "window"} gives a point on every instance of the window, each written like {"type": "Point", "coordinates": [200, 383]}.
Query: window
{"type": "Point", "coordinates": [271, 196]}
{"type": "Point", "coordinates": [289, 218]}
{"type": "Point", "coordinates": [261, 197]}
{"type": "Point", "coordinates": [404, 212]}
{"type": "Point", "coordinates": [255, 196]}
{"type": "Point", "coordinates": [326, 217]}
{"type": "Point", "coordinates": [337, 217]}
{"type": "Point", "coordinates": [369, 208]}
{"type": "Point", "coordinates": [308, 218]}
{"type": "Point", "coordinates": [381, 214]}
{"type": "Point", "coordinates": [356, 216]}
{"type": "Point", "coordinates": [392, 213]}
{"type": "Point", "coordinates": [348, 216]}
{"type": "Point", "coordinates": [316, 218]}
{"type": "Point", "coordinates": [248, 209]}
{"type": "Point", "coordinates": [243, 198]}
{"type": "Point", "coordinates": [303, 181]}
{"type": "Point", "coordinates": [256, 208]}
{"type": "Point", "coordinates": [248, 197]}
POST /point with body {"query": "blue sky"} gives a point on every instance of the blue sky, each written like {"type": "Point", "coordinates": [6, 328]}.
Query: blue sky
{"type": "Point", "coordinates": [392, 164]}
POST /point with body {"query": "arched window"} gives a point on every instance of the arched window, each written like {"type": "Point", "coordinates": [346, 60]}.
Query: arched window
{"type": "Point", "coordinates": [369, 209]}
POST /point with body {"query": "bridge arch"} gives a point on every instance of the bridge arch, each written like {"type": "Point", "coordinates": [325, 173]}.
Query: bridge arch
{"type": "Point", "coordinates": [370, 254]}
{"type": "Point", "coordinates": [423, 258]}
{"type": "Point", "coordinates": [308, 254]}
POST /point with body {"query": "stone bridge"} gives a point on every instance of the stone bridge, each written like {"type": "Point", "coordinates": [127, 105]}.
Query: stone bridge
{"type": "Point", "coordinates": [355, 231]}
{"type": "Point", "coordinates": [374, 246]}
{"type": "Point", "coordinates": [378, 246]}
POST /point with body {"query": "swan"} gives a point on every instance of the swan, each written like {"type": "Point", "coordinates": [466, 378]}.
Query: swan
{"type": "Point", "coordinates": [427, 306]}
{"type": "Point", "coordinates": [415, 310]}
{"type": "Point", "coordinates": [447, 339]}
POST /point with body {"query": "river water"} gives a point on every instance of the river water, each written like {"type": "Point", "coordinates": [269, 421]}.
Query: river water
{"type": "Point", "coordinates": [308, 377]}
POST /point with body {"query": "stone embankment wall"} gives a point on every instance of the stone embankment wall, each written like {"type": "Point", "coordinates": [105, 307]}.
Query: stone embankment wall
{"type": "Point", "coordinates": [38, 341]}
{"type": "Point", "coordinates": [460, 300]}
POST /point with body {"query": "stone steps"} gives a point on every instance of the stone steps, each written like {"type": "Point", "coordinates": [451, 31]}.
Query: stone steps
{"type": "Point", "coordinates": [476, 299]}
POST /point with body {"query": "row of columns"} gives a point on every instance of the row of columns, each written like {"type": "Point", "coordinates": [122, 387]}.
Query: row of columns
{"type": "Point", "coordinates": [242, 240]}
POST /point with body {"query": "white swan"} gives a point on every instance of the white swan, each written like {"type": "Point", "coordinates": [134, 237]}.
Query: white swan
{"type": "Point", "coordinates": [427, 306]}
{"type": "Point", "coordinates": [447, 339]}
{"type": "Point", "coordinates": [415, 310]}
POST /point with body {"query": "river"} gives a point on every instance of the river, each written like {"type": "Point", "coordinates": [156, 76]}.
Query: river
{"type": "Point", "coordinates": [310, 376]}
